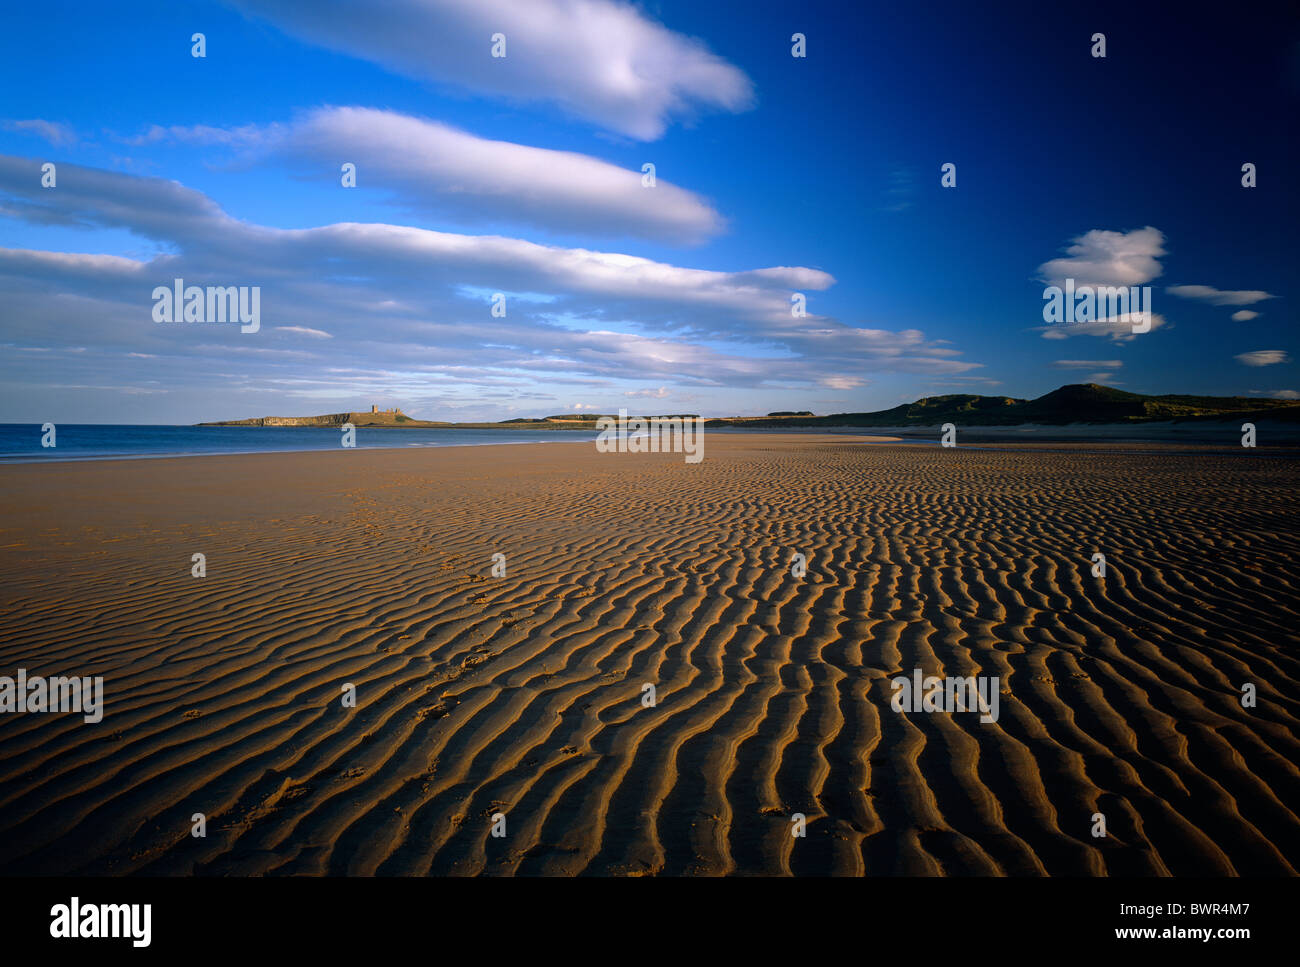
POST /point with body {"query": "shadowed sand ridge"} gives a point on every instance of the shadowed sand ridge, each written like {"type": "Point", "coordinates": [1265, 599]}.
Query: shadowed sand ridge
{"type": "Point", "coordinates": [523, 694]}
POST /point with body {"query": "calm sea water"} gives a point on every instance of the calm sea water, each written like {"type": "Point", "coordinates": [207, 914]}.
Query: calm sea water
{"type": "Point", "coordinates": [21, 442]}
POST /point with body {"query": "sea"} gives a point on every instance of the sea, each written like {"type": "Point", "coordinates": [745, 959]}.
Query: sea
{"type": "Point", "coordinates": [21, 442]}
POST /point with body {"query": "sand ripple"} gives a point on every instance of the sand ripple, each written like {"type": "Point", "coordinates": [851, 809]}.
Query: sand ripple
{"type": "Point", "coordinates": [523, 694]}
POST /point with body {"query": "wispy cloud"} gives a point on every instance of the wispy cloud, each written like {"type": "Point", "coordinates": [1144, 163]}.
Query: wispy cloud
{"type": "Point", "coordinates": [1263, 357]}
{"type": "Point", "coordinates": [1116, 328]}
{"type": "Point", "coordinates": [304, 331]}
{"type": "Point", "coordinates": [1217, 297]}
{"type": "Point", "coordinates": [1088, 363]}
{"type": "Point", "coordinates": [600, 60]}
{"type": "Point", "coordinates": [901, 190]}
{"type": "Point", "coordinates": [55, 132]}
{"type": "Point", "coordinates": [433, 168]}
{"type": "Point", "coordinates": [982, 380]}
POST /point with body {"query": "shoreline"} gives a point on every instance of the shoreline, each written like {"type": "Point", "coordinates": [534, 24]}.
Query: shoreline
{"type": "Point", "coordinates": [37, 461]}
{"type": "Point", "coordinates": [1277, 439]}
{"type": "Point", "coordinates": [26, 462]}
{"type": "Point", "coordinates": [1100, 447]}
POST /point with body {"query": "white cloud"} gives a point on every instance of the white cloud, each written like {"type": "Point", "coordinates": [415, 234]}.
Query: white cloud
{"type": "Point", "coordinates": [304, 331]}
{"type": "Point", "coordinates": [1245, 315]}
{"type": "Point", "coordinates": [653, 394]}
{"type": "Point", "coordinates": [430, 167]}
{"type": "Point", "coordinates": [1263, 357]}
{"type": "Point", "coordinates": [407, 303]}
{"type": "Point", "coordinates": [601, 60]}
{"type": "Point", "coordinates": [1118, 328]}
{"type": "Point", "coordinates": [167, 211]}
{"type": "Point", "coordinates": [1216, 297]}
{"type": "Point", "coordinates": [842, 382]}
{"type": "Point", "coordinates": [1285, 394]}
{"type": "Point", "coordinates": [1108, 258]}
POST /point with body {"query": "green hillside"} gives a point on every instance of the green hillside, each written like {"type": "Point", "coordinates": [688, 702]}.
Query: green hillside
{"type": "Point", "coordinates": [1076, 403]}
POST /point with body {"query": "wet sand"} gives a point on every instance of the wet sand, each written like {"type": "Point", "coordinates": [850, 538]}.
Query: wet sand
{"type": "Point", "coordinates": [523, 695]}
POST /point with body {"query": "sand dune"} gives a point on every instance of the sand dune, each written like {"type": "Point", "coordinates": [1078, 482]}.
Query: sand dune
{"type": "Point", "coordinates": [523, 694]}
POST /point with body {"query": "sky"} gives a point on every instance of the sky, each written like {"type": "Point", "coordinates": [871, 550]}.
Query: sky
{"type": "Point", "coordinates": [503, 252]}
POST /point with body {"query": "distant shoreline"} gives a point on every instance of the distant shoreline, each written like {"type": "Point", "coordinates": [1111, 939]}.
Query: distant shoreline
{"type": "Point", "coordinates": [1079, 403]}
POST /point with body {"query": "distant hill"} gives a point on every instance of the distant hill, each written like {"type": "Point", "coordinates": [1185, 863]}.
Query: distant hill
{"type": "Point", "coordinates": [1076, 403]}
{"type": "Point", "coordinates": [396, 418]}
{"type": "Point", "coordinates": [386, 418]}
{"type": "Point", "coordinates": [593, 417]}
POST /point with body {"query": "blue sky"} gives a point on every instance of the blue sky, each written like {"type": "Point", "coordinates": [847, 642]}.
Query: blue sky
{"type": "Point", "coordinates": [523, 175]}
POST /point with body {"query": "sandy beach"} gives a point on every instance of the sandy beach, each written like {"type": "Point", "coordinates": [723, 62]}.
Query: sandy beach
{"type": "Point", "coordinates": [523, 695]}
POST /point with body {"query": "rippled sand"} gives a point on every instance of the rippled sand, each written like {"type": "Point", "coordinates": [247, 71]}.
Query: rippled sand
{"type": "Point", "coordinates": [522, 694]}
